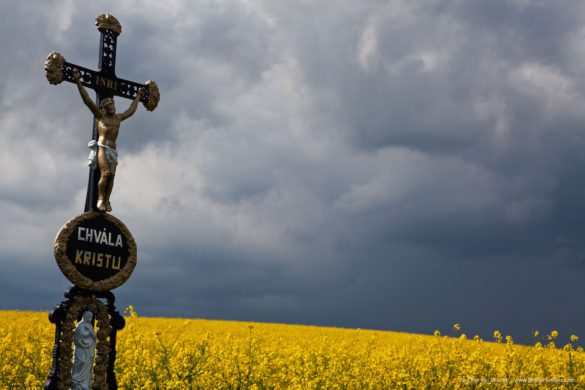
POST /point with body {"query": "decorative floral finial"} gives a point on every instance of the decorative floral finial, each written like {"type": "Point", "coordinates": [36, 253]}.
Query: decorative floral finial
{"type": "Point", "coordinates": [54, 68]}
{"type": "Point", "coordinates": [108, 22]}
{"type": "Point", "coordinates": [153, 95]}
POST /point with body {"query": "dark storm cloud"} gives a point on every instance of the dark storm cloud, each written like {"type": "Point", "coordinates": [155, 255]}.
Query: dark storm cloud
{"type": "Point", "coordinates": [212, 283]}
{"type": "Point", "coordinates": [398, 165]}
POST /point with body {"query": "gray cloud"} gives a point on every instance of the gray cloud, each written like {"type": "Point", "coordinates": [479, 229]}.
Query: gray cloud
{"type": "Point", "coordinates": [398, 165]}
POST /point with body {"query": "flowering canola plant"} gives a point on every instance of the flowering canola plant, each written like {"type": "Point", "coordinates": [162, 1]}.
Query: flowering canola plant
{"type": "Point", "coordinates": [164, 353]}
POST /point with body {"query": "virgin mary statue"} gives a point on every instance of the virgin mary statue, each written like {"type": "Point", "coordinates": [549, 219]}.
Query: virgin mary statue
{"type": "Point", "coordinates": [84, 339]}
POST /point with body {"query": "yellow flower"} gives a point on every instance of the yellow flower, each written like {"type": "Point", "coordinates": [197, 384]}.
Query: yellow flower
{"type": "Point", "coordinates": [457, 327]}
{"type": "Point", "coordinates": [497, 336]}
{"type": "Point", "coordinates": [165, 353]}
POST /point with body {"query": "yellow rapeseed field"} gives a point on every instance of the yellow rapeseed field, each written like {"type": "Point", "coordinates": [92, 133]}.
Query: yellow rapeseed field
{"type": "Point", "coordinates": [163, 353]}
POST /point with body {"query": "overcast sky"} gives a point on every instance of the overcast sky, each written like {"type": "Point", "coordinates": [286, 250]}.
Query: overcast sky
{"type": "Point", "coordinates": [401, 165]}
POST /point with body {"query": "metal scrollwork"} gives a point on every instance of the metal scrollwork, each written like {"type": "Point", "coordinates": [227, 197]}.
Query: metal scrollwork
{"type": "Point", "coordinates": [54, 68]}
{"type": "Point", "coordinates": [153, 95]}
{"type": "Point", "coordinates": [109, 49]}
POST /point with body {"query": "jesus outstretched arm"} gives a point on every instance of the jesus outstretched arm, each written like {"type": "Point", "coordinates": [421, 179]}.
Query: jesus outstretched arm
{"type": "Point", "coordinates": [84, 95]}
{"type": "Point", "coordinates": [132, 109]}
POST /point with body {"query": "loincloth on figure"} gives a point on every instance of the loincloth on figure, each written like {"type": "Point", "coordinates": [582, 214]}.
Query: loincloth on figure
{"type": "Point", "coordinates": [111, 153]}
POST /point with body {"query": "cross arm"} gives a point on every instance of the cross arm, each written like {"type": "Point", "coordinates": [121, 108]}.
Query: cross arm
{"type": "Point", "coordinates": [104, 82]}
{"type": "Point", "coordinates": [129, 90]}
{"type": "Point", "coordinates": [87, 78]}
{"type": "Point", "coordinates": [108, 86]}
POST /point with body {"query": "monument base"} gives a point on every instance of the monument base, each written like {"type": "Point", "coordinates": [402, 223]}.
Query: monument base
{"type": "Point", "coordinates": [109, 322]}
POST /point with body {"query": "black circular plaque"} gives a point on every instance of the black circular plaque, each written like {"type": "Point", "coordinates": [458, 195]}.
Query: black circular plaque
{"type": "Point", "coordinates": [95, 251]}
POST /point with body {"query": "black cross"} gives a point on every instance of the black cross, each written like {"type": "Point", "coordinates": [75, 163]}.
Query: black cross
{"type": "Point", "coordinates": [106, 85]}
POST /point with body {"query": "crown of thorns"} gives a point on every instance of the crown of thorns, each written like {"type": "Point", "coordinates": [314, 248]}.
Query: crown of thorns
{"type": "Point", "coordinates": [106, 101]}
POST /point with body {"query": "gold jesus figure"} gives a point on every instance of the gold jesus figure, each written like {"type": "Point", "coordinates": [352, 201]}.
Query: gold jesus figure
{"type": "Point", "coordinates": [103, 152]}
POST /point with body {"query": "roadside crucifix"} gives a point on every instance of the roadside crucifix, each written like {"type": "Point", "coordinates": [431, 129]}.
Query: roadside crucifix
{"type": "Point", "coordinates": [94, 250]}
{"type": "Point", "coordinates": [103, 155]}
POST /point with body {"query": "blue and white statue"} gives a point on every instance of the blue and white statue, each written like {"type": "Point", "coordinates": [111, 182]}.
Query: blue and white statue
{"type": "Point", "coordinates": [84, 339]}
